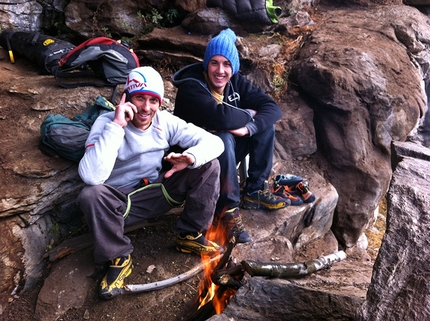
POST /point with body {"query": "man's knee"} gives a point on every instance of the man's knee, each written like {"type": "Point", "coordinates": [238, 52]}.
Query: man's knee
{"type": "Point", "coordinates": [89, 194]}
{"type": "Point", "coordinates": [229, 153]}
{"type": "Point", "coordinates": [266, 135]}
{"type": "Point", "coordinates": [213, 168]}
{"type": "Point", "coordinates": [216, 167]}
{"type": "Point", "coordinates": [228, 140]}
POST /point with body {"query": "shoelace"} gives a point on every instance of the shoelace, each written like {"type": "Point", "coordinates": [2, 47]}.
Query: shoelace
{"type": "Point", "coordinates": [268, 195]}
{"type": "Point", "coordinates": [236, 224]}
{"type": "Point", "coordinates": [239, 223]}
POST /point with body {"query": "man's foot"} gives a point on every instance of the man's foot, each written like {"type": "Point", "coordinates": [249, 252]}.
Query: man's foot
{"type": "Point", "coordinates": [232, 221]}
{"type": "Point", "coordinates": [265, 200]}
{"type": "Point", "coordinates": [197, 243]}
{"type": "Point", "coordinates": [282, 191]}
{"type": "Point", "coordinates": [113, 281]}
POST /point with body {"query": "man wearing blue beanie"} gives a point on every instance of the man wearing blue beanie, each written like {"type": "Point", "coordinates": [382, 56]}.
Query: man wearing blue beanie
{"type": "Point", "coordinates": [214, 96]}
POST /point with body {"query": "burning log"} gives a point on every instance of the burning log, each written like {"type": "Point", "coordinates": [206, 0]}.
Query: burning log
{"type": "Point", "coordinates": [229, 277]}
{"type": "Point", "coordinates": [285, 270]}
{"type": "Point", "coordinates": [217, 289]}
{"type": "Point", "coordinates": [225, 273]}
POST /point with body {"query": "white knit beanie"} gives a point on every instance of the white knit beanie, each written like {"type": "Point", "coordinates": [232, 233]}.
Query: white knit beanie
{"type": "Point", "coordinates": [145, 81]}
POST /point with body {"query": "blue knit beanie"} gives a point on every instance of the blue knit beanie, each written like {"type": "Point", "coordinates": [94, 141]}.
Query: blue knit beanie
{"type": "Point", "coordinates": [224, 44]}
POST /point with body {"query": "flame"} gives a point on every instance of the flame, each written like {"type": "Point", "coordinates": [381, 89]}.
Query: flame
{"type": "Point", "coordinates": [208, 289]}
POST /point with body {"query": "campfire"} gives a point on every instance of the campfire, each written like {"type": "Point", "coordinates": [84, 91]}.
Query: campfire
{"type": "Point", "coordinates": [220, 281]}
{"type": "Point", "coordinates": [222, 278]}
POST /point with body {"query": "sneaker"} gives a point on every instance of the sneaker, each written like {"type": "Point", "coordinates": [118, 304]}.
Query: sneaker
{"type": "Point", "coordinates": [302, 189]}
{"type": "Point", "coordinates": [113, 282]}
{"type": "Point", "coordinates": [232, 221]}
{"type": "Point", "coordinates": [263, 199]}
{"type": "Point", "coordinates": [281, 191]}
{"type": "Point", "coordinates": [197, 243]}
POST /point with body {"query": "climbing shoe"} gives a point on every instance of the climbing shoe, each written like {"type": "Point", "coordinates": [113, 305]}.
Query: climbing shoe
{"type": "Point", "coordinates": [232, 222]}
{"type": "Point", "coordinates": [113, 282]}
{"type": "Point", "coordinates": [287, 179]}
{"type": "Point", "coordinates": [281, 191]}
{"type": "Point", "coordinates": [197, 243]}
{"type": "Point", "coordinates": [302, 190]}
{"type": "Point", "coordinates": [264, 199]}
{"type": "Point", "coordinates": [305, 193]}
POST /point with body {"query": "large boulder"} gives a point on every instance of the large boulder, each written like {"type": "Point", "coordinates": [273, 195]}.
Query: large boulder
{"type": "Point", "coordinates": [359, 74]}
{"type": "Point", "coordinates": [325, 295]}
{"type": "Point", "coordinates": [26, 15]}
{"type": "Point", "coordinates": [400, 289]}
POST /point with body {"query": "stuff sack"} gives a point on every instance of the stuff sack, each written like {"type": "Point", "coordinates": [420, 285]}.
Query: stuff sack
{"type": "Point", "coordinates": [105, 58]}
{"type": "Point", "coordinates": [43, 50]}
{"type": "Point", "coordinates": [65, 137]}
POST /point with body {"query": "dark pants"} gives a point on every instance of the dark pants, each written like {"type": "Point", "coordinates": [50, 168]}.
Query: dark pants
{"type": "Point", "coordinates": [260, 149]}
{"type": "Point", "coordinates": [104, 207]}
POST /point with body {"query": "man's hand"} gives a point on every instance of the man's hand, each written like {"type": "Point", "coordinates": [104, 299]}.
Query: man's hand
{"type": "Point", "coordinates": [124, 112]}
{"type": "Point", "coordinates": [179, 161]}
{"type": "Point", "coordinates": [243, 131]}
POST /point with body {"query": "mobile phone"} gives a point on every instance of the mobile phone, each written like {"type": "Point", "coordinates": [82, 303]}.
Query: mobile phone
{"type": "Point", "coordinates": [127, 95]}
{"type": "Point", "coordinates": [127, 99]}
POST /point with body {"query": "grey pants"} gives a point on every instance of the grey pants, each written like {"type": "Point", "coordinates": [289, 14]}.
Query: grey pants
{"type": "Point", "coordinates": [104, 206]}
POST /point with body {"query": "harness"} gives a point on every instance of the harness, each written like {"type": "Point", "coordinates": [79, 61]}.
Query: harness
{"type": "Point", "coordinates": [166, 195]}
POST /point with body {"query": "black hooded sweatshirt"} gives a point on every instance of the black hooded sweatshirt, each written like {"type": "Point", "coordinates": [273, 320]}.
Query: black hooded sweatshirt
{"type": "Point", "coordinates": [195, 103]}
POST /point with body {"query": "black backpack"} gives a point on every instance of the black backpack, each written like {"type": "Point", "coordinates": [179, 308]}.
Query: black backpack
{"type": "Point", "coordinates": [43, 50]}
{"type": "Point", "coordinates": [97, 61]}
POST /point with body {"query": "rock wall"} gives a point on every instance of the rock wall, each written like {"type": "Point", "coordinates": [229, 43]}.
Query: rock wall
{"type": "Point", "coordinates": [400, 288]}
{"type": "Point", "coordinates": [356, 73]}
{"type": "Point", "coordinates": [26, 15]}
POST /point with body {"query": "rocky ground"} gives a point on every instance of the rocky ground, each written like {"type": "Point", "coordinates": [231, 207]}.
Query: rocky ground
{"type": "Point", "coordinates": [155, 247]}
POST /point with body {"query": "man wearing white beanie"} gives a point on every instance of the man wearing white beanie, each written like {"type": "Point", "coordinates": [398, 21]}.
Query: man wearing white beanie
{"type": "Point", "coordinates": [122, 168]}
{"type": "Point", "coordinates": [214, 96]}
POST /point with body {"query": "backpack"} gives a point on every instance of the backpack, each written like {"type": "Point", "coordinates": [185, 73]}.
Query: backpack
{"type": "Point", "coordinates": [65, 137]}
{"type": "Point", "coordinates": [106, 60]}
{"type": "Point", "coordinates": [42, 50]}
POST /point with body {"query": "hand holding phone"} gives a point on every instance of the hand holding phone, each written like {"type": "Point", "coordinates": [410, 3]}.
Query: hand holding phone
{"type": "Point", "coordinates": [124, 111]}
{"type": "Point", "coordinates": [127, 96]}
